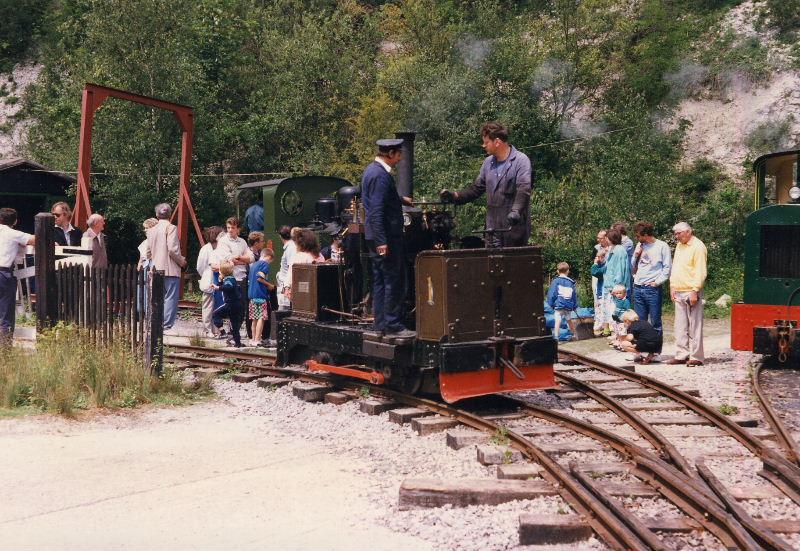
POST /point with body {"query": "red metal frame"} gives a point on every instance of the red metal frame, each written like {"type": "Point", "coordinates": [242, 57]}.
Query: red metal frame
{"type": "Point", "coordinates": [93, 96]}
{"type": "Point", "coordinates": [355, 371]}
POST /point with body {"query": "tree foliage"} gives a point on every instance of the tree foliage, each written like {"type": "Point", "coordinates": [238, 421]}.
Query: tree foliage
{"type": "Point", "coordinates": [288, 86]}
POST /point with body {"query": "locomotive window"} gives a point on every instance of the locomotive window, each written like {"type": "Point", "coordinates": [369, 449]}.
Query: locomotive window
{"type": "Point", "coordinates": [780, 257]}
{"type": "Point", "coordinates": [292, 203]}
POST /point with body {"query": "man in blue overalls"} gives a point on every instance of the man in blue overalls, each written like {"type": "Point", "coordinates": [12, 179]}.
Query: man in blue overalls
{"type": "Point", "coordinates": [505, 178]}
{"type": "Point", "coordinates": [384, 235]}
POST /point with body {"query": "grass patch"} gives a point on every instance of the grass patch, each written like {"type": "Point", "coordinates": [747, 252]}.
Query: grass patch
{"type": "Point", "coordinates": [26, 320]}
{"type": "Point", "coordinates": [68, 372]}
{"type": "Point", "coordinates": [728, 409]}
{"type": "Point", "coordinates": [727, 54]}
{"type": "Point", "coordinates": [500, 437]}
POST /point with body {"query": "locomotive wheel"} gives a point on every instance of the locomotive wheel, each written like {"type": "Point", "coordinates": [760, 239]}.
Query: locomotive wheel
{"type": "Point", "coordinates": [408, 382]}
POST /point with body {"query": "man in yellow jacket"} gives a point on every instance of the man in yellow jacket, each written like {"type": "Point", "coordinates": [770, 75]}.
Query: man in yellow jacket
{"type": "Point", "coordinates": [686, 288]}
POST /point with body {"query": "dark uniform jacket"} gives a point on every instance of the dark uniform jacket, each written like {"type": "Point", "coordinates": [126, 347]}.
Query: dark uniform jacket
{"type": "Point", "coordinates": [511, 191]}
{"type": "Point", "coordinates": [75, 235]}
{"type": "Point", "coordinates": [382, 204]}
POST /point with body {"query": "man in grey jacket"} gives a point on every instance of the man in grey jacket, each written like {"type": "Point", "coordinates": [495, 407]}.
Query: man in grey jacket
{"type": "Point", "coordinates": [505, 177]}
{"type": "Point", "coordinates": [95, 239]}
{"type": "Point", "coordinates": [164, 249]}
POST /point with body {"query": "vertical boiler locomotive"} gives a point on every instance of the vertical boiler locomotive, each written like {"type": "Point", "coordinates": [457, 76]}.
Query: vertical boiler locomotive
{"type": "Point", "coordinates": [478, 312]}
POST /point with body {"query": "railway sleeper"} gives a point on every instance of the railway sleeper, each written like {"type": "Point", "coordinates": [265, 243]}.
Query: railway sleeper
{"type": "Point", "coordinates": [529, 522]}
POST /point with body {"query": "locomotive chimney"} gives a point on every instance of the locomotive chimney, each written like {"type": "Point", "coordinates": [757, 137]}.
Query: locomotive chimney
{"type": "Point", "coordinates": [405, 168]}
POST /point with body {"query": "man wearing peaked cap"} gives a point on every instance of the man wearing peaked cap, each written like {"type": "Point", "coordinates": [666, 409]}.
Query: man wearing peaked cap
{"type": "Point", "coordinates": [387, 144]}
{"type": "Point", "coordinates": [384, 235]}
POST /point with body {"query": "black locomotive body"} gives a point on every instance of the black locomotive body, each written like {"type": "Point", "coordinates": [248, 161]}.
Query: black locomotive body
{"type": "Point", "coordinates": [478, 313]}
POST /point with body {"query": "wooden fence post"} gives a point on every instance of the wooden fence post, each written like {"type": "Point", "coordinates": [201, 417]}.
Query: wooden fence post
{"type": "Point", "coordinates": [45, 255]}
{"type": "Point", "coordinates": [154, 348]}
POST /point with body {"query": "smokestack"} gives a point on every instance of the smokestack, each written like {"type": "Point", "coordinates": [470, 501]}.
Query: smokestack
{"type": "Point", "coordinates": [405, 168]}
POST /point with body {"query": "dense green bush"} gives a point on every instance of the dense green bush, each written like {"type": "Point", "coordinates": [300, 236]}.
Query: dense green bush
{"type": "Point", "coordinates": [307, 86]}
{"type": "Point", "coordinates": [20, 22]}
{"type": "Point", "coordinates": [771, 135]}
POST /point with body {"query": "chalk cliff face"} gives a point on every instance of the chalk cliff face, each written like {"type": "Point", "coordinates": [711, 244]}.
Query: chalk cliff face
{"type": "Point", "coordinates": [12, 86]}
{"type": "Point", "coordinates": [728, 125]}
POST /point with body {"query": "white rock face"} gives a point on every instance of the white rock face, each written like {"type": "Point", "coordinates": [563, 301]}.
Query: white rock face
{"type": "Point", "coordinates": [14, 85]}
{"type": "Point", "coordinates": [719, 126]}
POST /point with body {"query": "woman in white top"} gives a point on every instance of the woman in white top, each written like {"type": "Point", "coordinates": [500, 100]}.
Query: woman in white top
{"type": "Point", "coordinates": [144, 265]}
{"type": "Point", "coordinates": [207, 263]}
{"type": "Point", "coordinates": [307, 253]}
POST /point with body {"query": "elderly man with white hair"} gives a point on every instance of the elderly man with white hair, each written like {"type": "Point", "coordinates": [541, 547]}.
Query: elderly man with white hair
{"type": "Point", "coordinates": [95, 239]}
{"type": "Point", "coordinates": [164, 251]}
{"type": "Point", "coordinates": [686, 288]}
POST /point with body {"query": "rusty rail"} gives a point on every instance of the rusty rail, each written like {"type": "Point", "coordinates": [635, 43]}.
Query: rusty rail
{"type": "Point", "coordinates": [777, 469]}
{"type": "Point", "coordinates": [665, 448]}
{"type": "Point", "coordinates": [781, 432]}
{"type": "Point", "coordinates": [765, 537]}
{"type": "Point", "coordinates": [685, 492]}
{"type": "Point", "coordinates": [612, 529]}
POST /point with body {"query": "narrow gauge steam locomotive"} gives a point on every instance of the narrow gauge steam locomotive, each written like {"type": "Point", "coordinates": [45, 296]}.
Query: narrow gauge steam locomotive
{"type": "Point", "coordinates": [766, 320]}
{"type": "Point", "coordinates": [478, 312]}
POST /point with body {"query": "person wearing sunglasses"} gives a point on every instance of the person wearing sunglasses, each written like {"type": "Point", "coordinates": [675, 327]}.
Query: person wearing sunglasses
{"type": "Point", "coordinates": [66, 234]}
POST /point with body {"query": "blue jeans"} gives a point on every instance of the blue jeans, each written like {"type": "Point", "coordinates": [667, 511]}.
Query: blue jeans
{"type": "Point", "coordinates": [8, 306]}
{"type": "Point", "coordinates": [216, 319]}
{"type": "Point", "coordinates": [171, 288]}
{"type": "Point", "coordinates": [647, 304]}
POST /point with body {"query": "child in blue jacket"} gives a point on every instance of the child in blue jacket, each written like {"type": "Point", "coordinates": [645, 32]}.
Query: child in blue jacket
{"type": "Point", "coordinates": [619, 305]}
{"type": "Point", "coordinates": [232, 305]}
{"type": "Point", "coordinates": [563, 298]}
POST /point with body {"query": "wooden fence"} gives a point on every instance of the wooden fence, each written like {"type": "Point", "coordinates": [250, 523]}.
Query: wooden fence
{"type": "Point", "coordinates": [114, 303]}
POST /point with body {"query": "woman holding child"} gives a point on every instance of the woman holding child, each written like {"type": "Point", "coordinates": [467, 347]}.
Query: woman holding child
{"type": "Point", "coordinates": [615, 271]}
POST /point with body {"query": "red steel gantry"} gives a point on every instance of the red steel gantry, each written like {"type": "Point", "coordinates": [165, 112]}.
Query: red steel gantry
{"type": "Point", "coordinates": [93, 96]}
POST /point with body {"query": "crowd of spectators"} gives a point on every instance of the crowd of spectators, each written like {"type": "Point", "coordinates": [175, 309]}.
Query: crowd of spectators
{"type": "Point", "coordinates": [628, 291]}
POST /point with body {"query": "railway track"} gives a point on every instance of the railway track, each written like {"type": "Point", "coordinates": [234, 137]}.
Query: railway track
{"type": "Point", "coordinates": [785, 439]}
{"type": "Point", "coordinates": [777, 469]}
{"type": "Point", "coordinates": [696, 492]}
